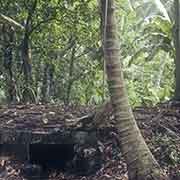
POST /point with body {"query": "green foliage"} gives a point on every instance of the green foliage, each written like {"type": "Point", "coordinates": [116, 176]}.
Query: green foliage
{"type": "Point", "coordinates": [58, 27]}
{"type": "Point", "coordinates": [150, 82]}
{"type": "Point", "coordinates": [149, 66]}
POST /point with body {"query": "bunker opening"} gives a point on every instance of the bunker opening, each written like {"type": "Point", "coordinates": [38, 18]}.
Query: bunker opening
{"type": "Point", "coordinates": [56, 156]}
{"type": "Point", "coordinates": [48, 156]}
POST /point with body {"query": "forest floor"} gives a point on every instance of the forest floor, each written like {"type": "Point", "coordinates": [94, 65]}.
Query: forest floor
{"type": "Point", "coordinates": [160, 126]}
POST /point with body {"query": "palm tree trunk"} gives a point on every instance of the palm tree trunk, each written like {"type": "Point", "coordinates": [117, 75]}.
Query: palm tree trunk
{"type": "Point", "coordinates": [141, 163]}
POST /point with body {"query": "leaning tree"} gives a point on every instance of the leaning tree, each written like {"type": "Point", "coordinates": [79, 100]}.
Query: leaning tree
{"type": "Point", "coordinates": [140, 162]}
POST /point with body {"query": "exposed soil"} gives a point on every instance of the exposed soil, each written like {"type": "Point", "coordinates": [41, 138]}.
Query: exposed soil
{"type": "Point", "coordinates": [160, 126]}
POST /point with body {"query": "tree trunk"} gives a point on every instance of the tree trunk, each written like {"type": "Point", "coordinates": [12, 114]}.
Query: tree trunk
{"type": "Point", "coordinates": [8, 38]}
{"type": "Point", "coordinates": [70, 80]}
{"type": "Point", "coordinates": [44, 85]}
{"type": "Point", "coordinates": [177, 51]}
{"type": "Point", "coordinates": [47, 87]}
{"type": "Point", "coordinates": [140, 162]}
{"type": "Point", "coordinates": [26, 51]}
{"type": "Point", "coordinates": [26, 58]}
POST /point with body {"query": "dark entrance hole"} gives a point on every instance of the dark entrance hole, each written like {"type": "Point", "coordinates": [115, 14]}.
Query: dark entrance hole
{"type": "Point", "coordinates": [56, 156]}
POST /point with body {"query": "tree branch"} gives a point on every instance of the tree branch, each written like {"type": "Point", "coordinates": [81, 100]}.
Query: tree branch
{"type": "Point", "coordinates": [11, 22]}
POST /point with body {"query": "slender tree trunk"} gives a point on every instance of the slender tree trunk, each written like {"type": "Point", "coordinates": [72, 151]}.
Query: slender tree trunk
{"type": "Point", "coordinates": [44, 85]}
{"type": "Point", "coordinates": [47, 87]}
{"type": "Point", "coordinates": [27, 69]}
{"type": "Point", "coordinates": [140, 162]}
{"type": "Point", "coordinates": [177, 51]}
{"type": "Point", "coordinates": [26, 54]}
{"type": "Point", "coordinates": [71, 80]}
{"type": "Point", "coordinates": [8, 38]}
{"type": "Point", "coordinates": [26, 58]}
{"type": "Point", "coordinates": [26, 50]}
{"type": "Point", "coordinates": [102, 15]}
